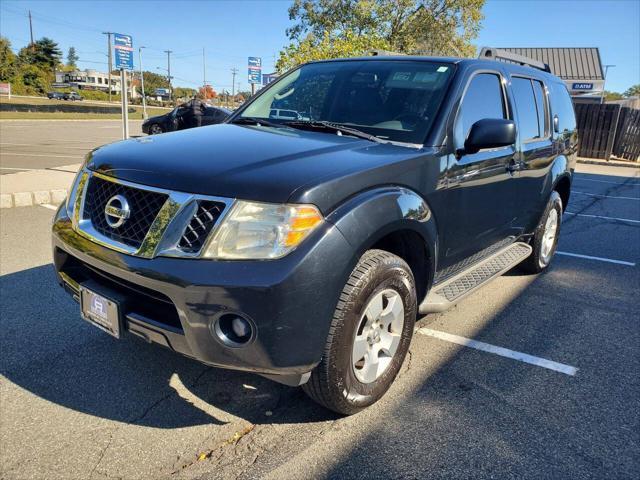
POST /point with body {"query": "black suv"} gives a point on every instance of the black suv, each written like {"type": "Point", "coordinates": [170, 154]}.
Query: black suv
{"type": "Point", "coordinates": [304, 249]}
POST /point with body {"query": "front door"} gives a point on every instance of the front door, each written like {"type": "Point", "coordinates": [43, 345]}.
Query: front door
{"type": "Point", "coordinates": [481, 197]}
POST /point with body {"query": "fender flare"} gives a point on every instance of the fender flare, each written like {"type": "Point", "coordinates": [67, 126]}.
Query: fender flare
{"type": "Point", "coordinates": [370, 215]}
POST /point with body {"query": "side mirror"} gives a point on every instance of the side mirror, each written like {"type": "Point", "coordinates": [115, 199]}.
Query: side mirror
{"type": "Point", "coordinates": [489, 133]}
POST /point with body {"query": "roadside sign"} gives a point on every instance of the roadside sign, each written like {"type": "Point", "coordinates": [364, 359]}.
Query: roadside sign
{"type": "Point", "coordinates": [123, 45]}
{"type": "Point", "coordinates": [267, 78]}
{"type": "Point", "coordinates": [582, 86]}
{"type": "Point", "coordinates": [255, 70]}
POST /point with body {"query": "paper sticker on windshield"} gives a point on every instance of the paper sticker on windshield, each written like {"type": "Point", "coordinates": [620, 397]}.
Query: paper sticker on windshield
{"type": "Point", "coordinates": [442, 69]}
{"type": "Point", "coordinates": [402, 76]}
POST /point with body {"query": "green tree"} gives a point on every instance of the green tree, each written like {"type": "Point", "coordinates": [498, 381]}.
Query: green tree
{"type": "Point", "coordinates": [72, 58]}
{"type": "Point", "coordinates": [8, 66]}
{"type": "Point", "coordinates": [442, 27]}
{"type": "Point", "coordinates": [183, 92]}
{"type": "Point", "coordinates": [45, 52]}
{"type": "Point", "coordinates": [633, 91]}
{"type": "Point", "coordinates": [152, 81]}
{"type": "Point", "coordinates": [310, 49]}
{"type": "Point", "coordinates": [612, 95]}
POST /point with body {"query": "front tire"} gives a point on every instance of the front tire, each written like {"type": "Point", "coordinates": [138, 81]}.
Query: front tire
{"type": "Point", "coordinates": [369, 335]}
{"type": "Point", "coordinates": [545, 237]}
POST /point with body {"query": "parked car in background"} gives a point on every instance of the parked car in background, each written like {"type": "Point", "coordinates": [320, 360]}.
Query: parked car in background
{"type": "Point", "coordinates": [72, 96]}
{"type": "Point", "coordinates": [304, 250]}
{"type": "Point", "coordinates": [55, 96]}
{"type": "Point", "coordinates": [177, 119]}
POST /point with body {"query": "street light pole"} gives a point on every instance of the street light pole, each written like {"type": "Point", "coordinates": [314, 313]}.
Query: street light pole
{"type": "Point", "coordinates": [606, 71]}
{"type": "Point", "coordinates": [144, 97]}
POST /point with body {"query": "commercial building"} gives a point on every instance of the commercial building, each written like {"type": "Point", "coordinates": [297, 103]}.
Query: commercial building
{"type": "Point", "coordinates": [87, 80]}
{"type": "Point", "coordinates": [580, 68]}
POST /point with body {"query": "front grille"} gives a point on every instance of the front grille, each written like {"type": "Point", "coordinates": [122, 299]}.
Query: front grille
{"type": "Point", "coordinates": [200, 226]}
{"type": "Point", "coordinates": [144, 206]}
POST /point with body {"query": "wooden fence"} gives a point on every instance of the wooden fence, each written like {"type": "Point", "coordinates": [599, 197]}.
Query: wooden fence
{"type": "Point", "coordinates": [608, 129]}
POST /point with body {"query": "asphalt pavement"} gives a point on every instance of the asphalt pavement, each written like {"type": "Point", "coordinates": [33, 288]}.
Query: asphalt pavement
{"type": "Point", "coordinates": [26, 145]}
{"type": "Point", "coordinates": [76, 403]}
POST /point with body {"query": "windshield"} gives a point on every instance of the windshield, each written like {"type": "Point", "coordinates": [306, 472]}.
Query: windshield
{"type": "Point", "coordinates": [393, 100]}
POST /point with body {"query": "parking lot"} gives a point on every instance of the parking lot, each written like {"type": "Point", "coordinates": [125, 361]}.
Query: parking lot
{"type": "Point", "coordinates": [37, 144]}
{"type": "Point", "coordinates": [477, 396]}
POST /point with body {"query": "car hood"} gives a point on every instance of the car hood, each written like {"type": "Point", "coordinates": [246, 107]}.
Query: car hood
{"type": "Point", "coordinates": [248, 162]}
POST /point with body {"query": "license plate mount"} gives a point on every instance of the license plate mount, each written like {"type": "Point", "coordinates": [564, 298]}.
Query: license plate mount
{"type": "Point", "coordinates": [100, 311]}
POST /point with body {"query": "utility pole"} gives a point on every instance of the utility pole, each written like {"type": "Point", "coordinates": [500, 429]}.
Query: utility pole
{"type": "Point", "coordinates": [169, 52]}
{"type": "Point", "coordinates": [33, 45]}
{"type": "Point", "coordinates": [108, 34]}
{"type": "Point", "coordinates": [144, 97]}
{"type": "Point", "coordinates": [204, 76]}
{"type": "Point", "coordinates": [604, 82]}
{"type": "Point", "coordinates": [234, 72]}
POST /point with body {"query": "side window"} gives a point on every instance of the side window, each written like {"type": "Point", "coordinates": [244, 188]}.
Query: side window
{"type": "Point", "coordinates": [483, 99]}
{"type": "Point", "coordinates": [543, 108]}
{"type": "Point", "coordinates": [526, 104]}
{"type": "Point", "coordinates": [563, 108]}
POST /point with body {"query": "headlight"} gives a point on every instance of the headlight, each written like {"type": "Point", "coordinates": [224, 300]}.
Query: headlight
{"type": "Point", "coordinates": [262, 230]}
{"type": "Point", "coordinates": [73, 200]}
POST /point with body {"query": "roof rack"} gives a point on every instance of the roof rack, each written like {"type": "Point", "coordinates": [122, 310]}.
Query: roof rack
{"type": "Point", "coordinates": [499, 54]}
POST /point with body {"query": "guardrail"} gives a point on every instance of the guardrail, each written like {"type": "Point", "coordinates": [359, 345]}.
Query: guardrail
{"type": "Point", "coordinates": [58, 107]}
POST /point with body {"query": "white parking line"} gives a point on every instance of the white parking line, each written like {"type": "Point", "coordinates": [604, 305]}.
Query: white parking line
{"type": "Point", "coordinates": [600, 259]}
{"type": "Point", "coordinates": [605, 196]}
{"type": "Point", "coordinates": [604, 218]}
{"type": "Point", "coordinates": [53, 207]}
{"type": "Point", "coordinates": [607, 181]}
{"type": "Point", "coordinates": [503, 352]}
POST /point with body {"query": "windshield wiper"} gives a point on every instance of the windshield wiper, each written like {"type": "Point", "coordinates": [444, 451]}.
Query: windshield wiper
{"type": "Point", "coordinates": [334, 127]}
{"type": "Point", "coordinates": [254, 121]}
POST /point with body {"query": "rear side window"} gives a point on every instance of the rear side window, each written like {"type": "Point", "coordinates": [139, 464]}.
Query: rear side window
{"type": "Point", "coordinates": [562, 107]}
{"type": "Point", "coordinates": [483, 99]}
{"type": "Point", "coordinates": [526, 104]}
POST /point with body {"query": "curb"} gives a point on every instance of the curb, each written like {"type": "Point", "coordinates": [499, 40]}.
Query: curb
{"type": "Point", "coordinates": [29, 199]}
{"type": "Point", "coordinates": [610, 164]}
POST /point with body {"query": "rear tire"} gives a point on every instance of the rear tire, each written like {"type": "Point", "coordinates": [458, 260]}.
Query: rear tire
{"type": "Point", "coordinates": [545, 237]}
{"type": "Point", "coordinates": [374, 320]}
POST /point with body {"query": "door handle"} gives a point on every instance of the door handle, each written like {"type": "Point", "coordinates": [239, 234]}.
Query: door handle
{"type": "Point", "coordinates": [512, 166]}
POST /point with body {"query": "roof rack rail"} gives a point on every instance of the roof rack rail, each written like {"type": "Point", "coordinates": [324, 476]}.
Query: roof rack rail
{"type": "Point", "coordinates": [499, 54]}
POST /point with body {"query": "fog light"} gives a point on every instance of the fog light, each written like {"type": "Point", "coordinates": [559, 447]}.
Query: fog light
{"type": "Point", "coordinates": [233, 330]}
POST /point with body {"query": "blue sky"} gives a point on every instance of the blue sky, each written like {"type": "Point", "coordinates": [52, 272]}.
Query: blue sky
{"type": "Point", "coordinates": [232, 30]}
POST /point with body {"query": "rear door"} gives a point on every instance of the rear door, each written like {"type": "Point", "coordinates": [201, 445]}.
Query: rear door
{"type": "Point", "coordinates": [480, 197]}
{"type": "Point", "coordinates": [530, 96]}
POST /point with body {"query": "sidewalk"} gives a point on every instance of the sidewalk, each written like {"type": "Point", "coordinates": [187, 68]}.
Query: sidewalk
{"type": "Point", "coordinates": [36, 187]}
{"type": "Point", "coordinates": [610, 163]}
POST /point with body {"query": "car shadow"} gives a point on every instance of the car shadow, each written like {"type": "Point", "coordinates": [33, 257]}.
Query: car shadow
{"type": "Point", "coordinates": [48, 350]}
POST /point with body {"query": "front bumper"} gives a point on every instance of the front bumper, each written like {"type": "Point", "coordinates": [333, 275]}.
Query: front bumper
{"type": "Point", "coordinates": [173, 301]}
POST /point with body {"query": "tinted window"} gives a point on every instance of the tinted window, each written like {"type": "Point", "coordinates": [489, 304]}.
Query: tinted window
{"type": "Point", "coordinates": [483, 99]}
{"type": "Point", "coordinates": [563, 108]}
{"type": "Point", "coordinates": [526, 104]}
{"type": "Point", "coordinates": [542, 108]}
{"type": "Point", "coordinates": [395, 100]}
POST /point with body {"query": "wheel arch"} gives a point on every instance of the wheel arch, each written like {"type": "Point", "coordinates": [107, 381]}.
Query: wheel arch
{"type": "Point", "coordinates": [561, 179]}
{"type": "Point", "coordinates": [395, 219]}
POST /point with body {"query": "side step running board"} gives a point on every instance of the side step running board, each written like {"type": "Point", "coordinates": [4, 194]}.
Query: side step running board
{"type": "Point", "coordinates": [446, 294]}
